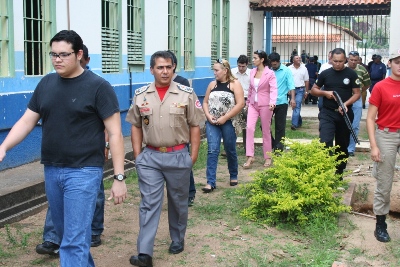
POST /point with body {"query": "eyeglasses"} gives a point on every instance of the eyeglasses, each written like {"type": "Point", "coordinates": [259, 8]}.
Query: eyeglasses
{"type": "Point", "coordinates": [220, 61]}
{"type": "Point", "coordinates": [259, 51]}
{"type": "Point", "coordinates": [354, 53]}
{"type": "Point", "coordinates": [62, 56]}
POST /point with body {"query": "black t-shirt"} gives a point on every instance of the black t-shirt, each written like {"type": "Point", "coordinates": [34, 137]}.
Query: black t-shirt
{"type": "Point", "coordinates": [182, 80]}
{"type": "Point", "coordinates": [342, 82]}
{"type": "Point", "coordinates": [72, 113]}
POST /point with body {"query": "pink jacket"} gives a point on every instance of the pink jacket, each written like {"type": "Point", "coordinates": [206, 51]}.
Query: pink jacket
{"type": "Point", "coordinates": [267, 88]}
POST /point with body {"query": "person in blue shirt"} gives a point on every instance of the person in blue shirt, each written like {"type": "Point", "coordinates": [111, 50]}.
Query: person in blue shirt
{"type": "Point", "coordinates": [377, 71]}
{"type": "Point", "coordinates": [285, 84]}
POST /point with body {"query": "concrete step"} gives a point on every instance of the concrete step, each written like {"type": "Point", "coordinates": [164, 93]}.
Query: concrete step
{"type": "Point", "coordinates": [29, 197]}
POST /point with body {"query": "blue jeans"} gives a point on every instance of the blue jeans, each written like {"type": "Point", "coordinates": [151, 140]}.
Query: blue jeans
{"type": "Point", "coordinates": [72, 194]}
{"type": "Point", "coordinates": [357, 110]}
{"type": "Point", "coordinates": [214, 134]}
{"type": "Point", "coordinates": [296, 118]}
{"type": "Point", "coordinates": [49, 233]}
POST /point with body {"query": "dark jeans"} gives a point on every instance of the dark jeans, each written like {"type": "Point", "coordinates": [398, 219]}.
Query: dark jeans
{"type": "Point", "coordinates": [280, 113]}
{"type": "Point", "coordinates": [310, 97]}
{"type": "Point", "coordinates": [333, 126]}
{"type": "Point", "coordinates": [214, 135]}
{"type": "Point", "coordinates": [192, 187]}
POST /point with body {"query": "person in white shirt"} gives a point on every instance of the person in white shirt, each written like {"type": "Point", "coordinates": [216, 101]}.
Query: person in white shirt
{"type": "Point", "coordinates": [300, 76]}
{"type": "Point", "coordinates": [242, 73]}
{"type": "Point", "coordinates": [325, 66]}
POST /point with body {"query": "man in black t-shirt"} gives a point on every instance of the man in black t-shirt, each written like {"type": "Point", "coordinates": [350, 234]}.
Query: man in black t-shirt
{"type": "Point", "coordinates": [75, 106]}
{"type": "Point", "coordinates": [345, 82]}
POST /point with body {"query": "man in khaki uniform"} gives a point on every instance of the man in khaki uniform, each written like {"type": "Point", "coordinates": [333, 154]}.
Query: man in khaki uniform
{"type": "Point", "coordinates": [165, 116]}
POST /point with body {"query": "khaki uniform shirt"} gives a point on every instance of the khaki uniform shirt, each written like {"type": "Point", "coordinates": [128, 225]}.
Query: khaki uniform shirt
{"type": "Point", "coordinates": [165, 123]}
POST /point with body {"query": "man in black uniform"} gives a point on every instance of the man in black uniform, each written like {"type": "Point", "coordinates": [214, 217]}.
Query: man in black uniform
{"type": "Point", "coordinates": [345, 82]}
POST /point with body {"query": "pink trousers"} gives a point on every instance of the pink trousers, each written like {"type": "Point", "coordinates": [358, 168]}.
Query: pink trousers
{"type": "Point", "coordinates": [254, 111]}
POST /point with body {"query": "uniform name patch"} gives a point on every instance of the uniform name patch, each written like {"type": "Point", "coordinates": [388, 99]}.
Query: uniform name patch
{"type": "Point", "coordinates": [144, 110]}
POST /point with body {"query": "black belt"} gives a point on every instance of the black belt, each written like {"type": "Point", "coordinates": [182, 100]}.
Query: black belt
{"type": "Point", "coordinates": [334, 109]}
{"type": "Point", "coordinates": [299, 87]}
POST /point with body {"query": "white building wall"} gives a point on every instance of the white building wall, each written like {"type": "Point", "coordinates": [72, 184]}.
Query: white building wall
{"type": "Point", "coordinates": [202, 26]}
{"type": "Point", "coordinates": [85, 19]}
{"type": "Point", "coordinates": [257, 18]}
{"type": "Point", "coordinates": [394, 22]}
{"type": "Point", "coordinates": [238, 28]}
{"type": "Point", "coordinates": [156, 26]}
{"type": "Point", "coordinates": [18, 7]}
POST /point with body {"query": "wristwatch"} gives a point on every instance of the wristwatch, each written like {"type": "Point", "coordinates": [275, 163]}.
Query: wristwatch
{"type": "Point", "coordinates": [107, 145]}
{"type": "Point", "coordinates": [119, 177]}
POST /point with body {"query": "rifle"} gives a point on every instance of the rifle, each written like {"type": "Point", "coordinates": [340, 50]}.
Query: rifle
{"type": "Point", "coordinates": [346, 117]}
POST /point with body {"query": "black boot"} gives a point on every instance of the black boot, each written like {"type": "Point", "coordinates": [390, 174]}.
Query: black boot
{"type": "Point", "coordinates": [381, 233]}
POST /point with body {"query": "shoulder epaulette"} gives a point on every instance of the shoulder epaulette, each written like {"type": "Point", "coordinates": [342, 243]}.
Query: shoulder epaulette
{"type": "Point", "coordinates": [142, 89]}
{"type": "Point", "coordinates": [185, 88]}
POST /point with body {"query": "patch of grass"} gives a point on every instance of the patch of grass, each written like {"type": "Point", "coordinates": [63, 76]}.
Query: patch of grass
{"type": "Point", "coordinates": [300, 133]}
{"type": "Point", "coordinates": [362, 156]}
{"type": "Point", "coordinates": [362, 192]}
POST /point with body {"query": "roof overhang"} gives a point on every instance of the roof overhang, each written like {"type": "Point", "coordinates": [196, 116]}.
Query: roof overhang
{"type": "Point", "coordinates": [304, 8]}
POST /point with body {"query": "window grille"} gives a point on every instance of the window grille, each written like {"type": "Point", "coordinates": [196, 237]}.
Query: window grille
{"type": "Point", "coordinates": [215, 34]}
{"type": "Point", "coordinates": [189, 34]}
{"type": "Point", "coordinates": [37, 35]}
{"type": "Point", "coordinates": [173, 28]}
{"type": "Point", "coordinates": [225, 29]}
{"type": "Point", "coordinates": [250, 43]}
{"type": "Point", "coordinates": [135, 32]}
{"type": "Point", "coordinates": [6, 59]}
{"type": "Point", "coordinates": [110, 34]}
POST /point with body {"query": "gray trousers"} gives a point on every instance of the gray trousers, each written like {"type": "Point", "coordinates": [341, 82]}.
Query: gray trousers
{"type": "Point", "coordinates": [389, 146]}
{"type": "Point", "coordinates": [153, 169]}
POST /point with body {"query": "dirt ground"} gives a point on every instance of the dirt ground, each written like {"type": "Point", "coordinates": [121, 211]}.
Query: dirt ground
{"type": "Point", "coordinates": [214, 242]}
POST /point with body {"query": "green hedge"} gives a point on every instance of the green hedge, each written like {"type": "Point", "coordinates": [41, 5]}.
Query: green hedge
{"type": "Point", "coordinates": [300, 185]}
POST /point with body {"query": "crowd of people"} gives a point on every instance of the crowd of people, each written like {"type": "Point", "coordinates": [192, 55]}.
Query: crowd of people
{"type": "Point", "coordinates": [166, 116]}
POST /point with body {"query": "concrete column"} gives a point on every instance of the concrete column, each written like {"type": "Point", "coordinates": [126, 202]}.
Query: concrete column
{"type": "Point", "coordinates": [394, 42]}
{"type": "Point", "coordinates": [268, 32]}
{"type": "Point", "coordinates": [394, 20]}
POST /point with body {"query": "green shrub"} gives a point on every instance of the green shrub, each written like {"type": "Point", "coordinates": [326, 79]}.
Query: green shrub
{"type": "Point", "coordinates": [301, 185]}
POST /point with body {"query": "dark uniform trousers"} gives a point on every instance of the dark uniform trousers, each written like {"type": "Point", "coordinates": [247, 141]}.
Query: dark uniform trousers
{"type": "Point", "coordinates": [333, 126]}
{"type": "Point", "coordinates": [280, 114]}
{"type": "Point", "coordinates": [153, 168]}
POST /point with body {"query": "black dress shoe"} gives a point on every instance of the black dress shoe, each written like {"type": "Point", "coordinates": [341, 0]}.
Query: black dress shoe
{"type": "Point", "coordinates": [142, 260]}
{"type": "Point", "coordinates": [233, 183]}
{"type": "Point", "coordinates": [48, 247]}
{"type": "Point", "coordinates": [190, 201]}
{"type": "Point", "coordinates": [96, 241]}
{"type": "Point", "coordinates": [208, 190]}
{"type": "Point", "coordinates": [176, 247]}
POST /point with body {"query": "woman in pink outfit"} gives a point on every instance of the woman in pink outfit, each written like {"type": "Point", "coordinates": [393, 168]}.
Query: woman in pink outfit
{"type": "Point", "coordinates": [260, 102]}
